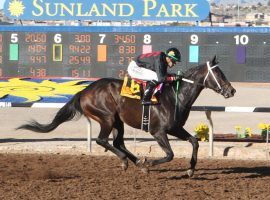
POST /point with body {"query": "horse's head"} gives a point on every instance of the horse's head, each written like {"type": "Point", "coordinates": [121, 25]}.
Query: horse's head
{"type": "Point", "coordinates": [216, 80]}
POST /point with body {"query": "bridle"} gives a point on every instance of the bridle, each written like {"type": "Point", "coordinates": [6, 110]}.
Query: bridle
{"type": "Point", "coordinates": [210, 72]}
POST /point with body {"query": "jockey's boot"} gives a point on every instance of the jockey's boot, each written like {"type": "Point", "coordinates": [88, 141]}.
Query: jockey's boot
{"type": "Point", "coordinates": [150, 87]}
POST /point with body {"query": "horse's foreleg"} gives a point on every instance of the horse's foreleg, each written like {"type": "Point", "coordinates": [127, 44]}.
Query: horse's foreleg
{"type": "Point", "coordinates": [195, 145]}
{"type": "Point", "coordinates": [184, 135]}
{"type": "Point", "coordinates": [163, 142]}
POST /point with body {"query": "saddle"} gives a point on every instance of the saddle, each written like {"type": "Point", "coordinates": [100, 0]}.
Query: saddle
{"type": "Point", "coordinates": [134, 89]}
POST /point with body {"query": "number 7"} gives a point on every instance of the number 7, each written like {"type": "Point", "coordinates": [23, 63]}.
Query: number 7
{"type": "Point", "coordinates": [102, 37]}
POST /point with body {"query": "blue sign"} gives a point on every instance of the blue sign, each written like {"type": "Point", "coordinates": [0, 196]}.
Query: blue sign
{"type": "Point", "coordinates": [112, 10]}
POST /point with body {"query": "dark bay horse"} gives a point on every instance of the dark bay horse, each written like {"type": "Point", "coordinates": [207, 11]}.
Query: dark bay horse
{"type": "Point", "coordinates": [102, 102]}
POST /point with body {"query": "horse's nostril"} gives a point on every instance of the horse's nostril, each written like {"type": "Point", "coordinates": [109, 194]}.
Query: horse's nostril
{"type": "Point", "coordinates": [232, 93]}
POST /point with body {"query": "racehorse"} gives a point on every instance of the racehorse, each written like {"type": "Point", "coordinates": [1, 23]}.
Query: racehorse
{"type": "Point", "coordinates": [102, 102]}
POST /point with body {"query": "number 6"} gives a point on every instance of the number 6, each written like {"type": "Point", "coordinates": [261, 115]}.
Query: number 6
{"type": "Point", "coordinates": [57, 38]}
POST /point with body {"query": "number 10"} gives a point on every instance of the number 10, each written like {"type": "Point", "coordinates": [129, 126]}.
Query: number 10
{"type": "Point", "coordinates": [241, 39]}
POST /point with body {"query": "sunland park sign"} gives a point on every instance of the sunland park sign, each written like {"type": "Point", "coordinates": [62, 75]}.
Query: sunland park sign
{"type": "Point", "coordinates": [161, 10]}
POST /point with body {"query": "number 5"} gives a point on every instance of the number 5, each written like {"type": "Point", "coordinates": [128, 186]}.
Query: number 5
{"type": "Point", "coordinates": [14, 38]}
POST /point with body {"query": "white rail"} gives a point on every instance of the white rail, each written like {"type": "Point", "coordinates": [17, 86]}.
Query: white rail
{"type": "Point", "coordinates": [207, 109]}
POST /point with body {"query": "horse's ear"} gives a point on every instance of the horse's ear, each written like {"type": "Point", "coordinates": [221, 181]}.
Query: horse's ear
{"type": "Point", "coordinates": [214, 60]}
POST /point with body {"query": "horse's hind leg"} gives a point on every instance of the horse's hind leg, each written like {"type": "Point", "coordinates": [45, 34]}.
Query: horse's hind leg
{"type": "Point", "coordinates": [119, 143]}
{"type": "Point", "coordinates": [105, 130]}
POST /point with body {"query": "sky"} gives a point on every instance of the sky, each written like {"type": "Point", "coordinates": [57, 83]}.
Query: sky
{"type": "Point", "coordinates": [3, 1]}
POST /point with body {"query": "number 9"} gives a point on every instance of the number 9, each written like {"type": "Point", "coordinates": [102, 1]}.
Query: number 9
{"type": "Point", "coordinates": [194, 39]}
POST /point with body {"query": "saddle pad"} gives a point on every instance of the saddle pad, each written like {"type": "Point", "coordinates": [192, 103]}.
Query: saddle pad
{"type": "Point", "coordinates": [132, 89]}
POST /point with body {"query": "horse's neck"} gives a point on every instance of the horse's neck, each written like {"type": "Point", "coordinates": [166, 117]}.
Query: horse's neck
{"type": "Point", "coordinates": [189, 92]}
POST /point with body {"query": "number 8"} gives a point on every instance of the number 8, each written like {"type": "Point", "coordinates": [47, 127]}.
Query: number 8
{"type": "Point", "coordinates": [147, 39]}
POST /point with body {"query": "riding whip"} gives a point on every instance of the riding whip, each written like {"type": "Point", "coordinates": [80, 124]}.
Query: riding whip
{"type": "Point", "coordinates": [176, 96]}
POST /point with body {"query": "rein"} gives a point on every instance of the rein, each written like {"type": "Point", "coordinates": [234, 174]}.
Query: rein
{"type": "Point", "coordinates": [210, 71]}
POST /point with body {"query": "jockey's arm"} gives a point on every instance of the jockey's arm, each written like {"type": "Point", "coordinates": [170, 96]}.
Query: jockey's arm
{"type": "Point", "coordinates": [161, 69]}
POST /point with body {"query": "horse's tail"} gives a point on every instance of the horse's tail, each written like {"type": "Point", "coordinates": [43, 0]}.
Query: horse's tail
{"type": "Point", "coordinates": [66, 113]}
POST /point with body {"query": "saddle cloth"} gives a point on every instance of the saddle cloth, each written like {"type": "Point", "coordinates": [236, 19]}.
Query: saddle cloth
{"type": "Point", "coordinates": [132, 88]}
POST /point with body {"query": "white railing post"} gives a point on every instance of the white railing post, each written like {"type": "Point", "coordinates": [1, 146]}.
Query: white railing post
{"type": "Point", "coordinates": [267, 135]}
{"type": "Point", "coordinates": [211, 133]}
{"type": "Point", "coordinates": [267, 142]}
{"type": "Point", "coordinates": [135, 139]}
{"type": "Point", "coordinates": [89, 136]}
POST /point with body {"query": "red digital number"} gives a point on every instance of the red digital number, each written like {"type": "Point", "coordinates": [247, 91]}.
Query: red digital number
{"type": "Point", "coordinates": [118, 38]}
{"type": "Point", "coordinates": [80, 48]}
{"type": "Point", "coordinates": [38, 59]}
{"type": "Point", "coordinates": [85, 38]}
{"type": "Point", "coordinates": [122, 74]}
{"type": "Point", "coordinates": [85, 59]}
{"type": "Point", "coordinates": [127, 49]}
{"type": "Point", "coordinates": [37, 48]}
{"type": "Point", "coordinates": [125, 60]}
{"type": "Point", "coordinates": [86, 73]}
{"type": "Point", "coordinates": [35, 38]}
{"type": "Point", "coordinates": [38, 72]}
{"type": "Point", "coordinates": [127, 39]}
{"type": "Point", "coordinates": [75, 60]}
{"type": "Point", "coordinates": [81, 73]}
{"type": "Point", "coordinates": [75, 73]}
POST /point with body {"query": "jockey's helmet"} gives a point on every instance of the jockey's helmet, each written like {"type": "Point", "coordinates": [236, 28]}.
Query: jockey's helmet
{"type": "Point", "coordinates": [174, 53]}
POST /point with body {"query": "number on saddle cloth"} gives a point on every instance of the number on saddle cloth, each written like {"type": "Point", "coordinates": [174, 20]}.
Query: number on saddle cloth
{"type": "Point", "coordinates": [132, 88]}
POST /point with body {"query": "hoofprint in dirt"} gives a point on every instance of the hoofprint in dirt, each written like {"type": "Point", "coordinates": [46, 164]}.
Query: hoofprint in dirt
{"type": "Point", "coordinates": [40, 176]}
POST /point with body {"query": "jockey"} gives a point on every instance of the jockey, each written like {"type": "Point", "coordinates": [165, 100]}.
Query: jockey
{"type": "Point", "coordinates": [152, 67]}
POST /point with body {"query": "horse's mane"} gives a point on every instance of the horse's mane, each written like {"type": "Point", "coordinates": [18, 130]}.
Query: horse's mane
{"type": "Point", "coordinates": [191, 70]}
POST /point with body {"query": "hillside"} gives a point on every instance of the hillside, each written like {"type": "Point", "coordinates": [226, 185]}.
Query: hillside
{"type": "Point", "coordinates": [245, 2]}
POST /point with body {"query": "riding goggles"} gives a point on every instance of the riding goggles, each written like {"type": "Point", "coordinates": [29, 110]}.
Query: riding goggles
{"type": "Point", "coordinates": [173, 58]}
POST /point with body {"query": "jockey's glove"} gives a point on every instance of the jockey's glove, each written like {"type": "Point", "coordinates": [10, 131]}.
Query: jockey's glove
{"type": "Point", "coordinates": [178, 77]}
{"type": "Point", "coordinates": [174, 77]}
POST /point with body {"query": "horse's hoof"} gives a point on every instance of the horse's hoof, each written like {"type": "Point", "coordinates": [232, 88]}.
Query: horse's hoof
{"type": "Point", "coordinates": [124, 164]}
{"type": "Point", "coordinates": [190, 173]}
{"type": "Point", "coordinates": [145, 170]}
{"type": "Point", "coordinates": [141, 162]}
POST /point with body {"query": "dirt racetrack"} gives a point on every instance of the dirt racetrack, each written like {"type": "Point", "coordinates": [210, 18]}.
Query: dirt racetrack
{"type": "Point", "coordinates": [48, 176]}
